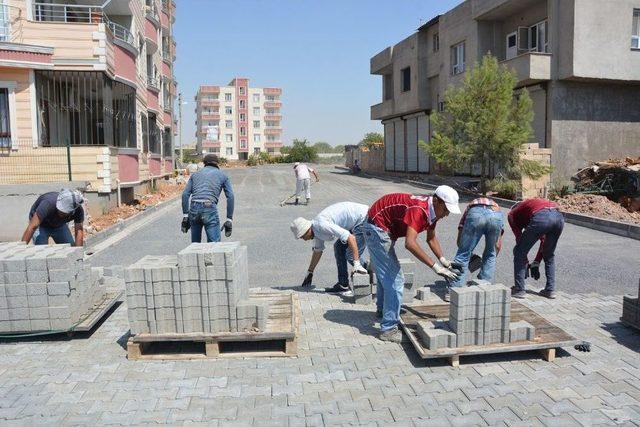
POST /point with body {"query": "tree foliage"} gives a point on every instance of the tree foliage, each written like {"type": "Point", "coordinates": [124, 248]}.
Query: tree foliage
{"type": "Point", "coordinates": [485, 123]}
{"type": "Point", "coordinates": [372, 139]}
{"type": "Point", "coordinates": [301, 151]}
{"type": "Point", "coordinates": [323, 147]}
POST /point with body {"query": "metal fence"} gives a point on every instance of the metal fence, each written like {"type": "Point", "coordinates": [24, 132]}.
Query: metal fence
{"type": "Point", "coordinates": [23, 162]}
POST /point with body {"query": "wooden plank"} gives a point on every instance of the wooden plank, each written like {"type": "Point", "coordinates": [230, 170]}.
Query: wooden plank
{"type": "Point", "coordinates": [94, 317]}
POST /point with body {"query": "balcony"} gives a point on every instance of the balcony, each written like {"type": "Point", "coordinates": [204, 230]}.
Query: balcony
{"type": "Point", "coordinates": [272, 104]}
{"type": "Point", "coordinates": [121, 35]}
{"type": "Point", "coordinates": [273, 117]}
{"type": "Point", "coordinates": [382, 110]}
{"type": "Point", "coordinates": [273, 144]}
{"type": "Point", "coordinates": [382, 63]}
{"type": "Point", "coordinates": [153, 83]}
{"type": "Point", "coordinates": [210, 89]}
{"type": "Point", "coordinates": [210, 116]}
{"type": "Point", "coordinates": [151, 36]}
{"type": "Point", "coordinates": [207, 143]}
{"type": "Point", "coordinates": [272, 131]}
{"type": "Point", "coordinates": [272, 91]}
{"type": "Point", "coordinates": [209, 103]}
{"type": "Point", "coordinates": [530, 68]}
{"type": "Point", "coordinates": [152, 15]}
{"type": "Point", "coordinates": [67, 13]}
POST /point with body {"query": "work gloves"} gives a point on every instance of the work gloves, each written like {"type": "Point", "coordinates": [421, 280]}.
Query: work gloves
{"type": "Point", "coordinates": [307, 280]}
{"type": "Point", "coordinates": [445, 262]}
{"type": "Point", "coordinates": [534, 269]}
{"type": "Point", "coordinates": [227, 227]}
{"type": "Point", "coordinates": [186, 225]}
{"type": "Point", "coordinates": [358, 268]}
{"type": "Point", "coordinates": [448, 274]}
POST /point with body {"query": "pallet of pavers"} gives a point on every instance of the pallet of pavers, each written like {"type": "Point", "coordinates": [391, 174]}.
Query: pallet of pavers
{"type": "Point", "coordinates": [198, 304]}
{"type": "Point", "coordinates": [631, 310]}
{"type": "Point", "coordinates": [50, 288]}
{"type": "Point", "coordinates": [481, 319]}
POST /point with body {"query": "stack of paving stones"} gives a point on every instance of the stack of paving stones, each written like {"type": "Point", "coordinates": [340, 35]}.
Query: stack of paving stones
{"type": "Point", "coordinates": [204, 289]}
{"type": "Point", "coordinates": [408, 268]}
{"type": "Point", "coordinates": [478, 315]}
{"type": "Point", "coordinates": [631, 310]}
{"type": "Point", "coordinates": [44, 288]}
{"type": "Point", "coordinates": [361, 286]}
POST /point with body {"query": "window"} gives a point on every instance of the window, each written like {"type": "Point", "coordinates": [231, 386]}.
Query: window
{"type": "Point", "coordinates": [457, 59]}
{"type": "Point", "coordinates": [243, 131]}
{"type": "Point", "coordinates": [5, 120]}
{"type": "Point", "coordinates": [243, 117]}
{"type": "Point", "coordinates": [242, 104]}
{"type": "Point", "coordinates": [227, 97]}
{"type": "Point", "coordinates": [406, 79]}
{"type": "Point", "coordinates": [228, 124]}
{"type": "Point", "coordinates": [256, 111]}
{"type": "Point", "coordinates": [256, 124]}
{"type": "Point", "coordinates": [256, 97]}
{"type": "Point", "coordinates": [436, 42]}
{"type": "Point", "coordinates": [243, 143]}
{"type": "Point", "coordinates": [538, 40]}
{"type": "Point", "coordinates": [228, 137]}
{"type": "Point", "coordinates": [228, 110]}
{"type": "Point", "coordinates": [256, 138]}
{"type": "Point", "coordinates": [242, 90]}
{"type": "Point", "coordinates": [229, 151]}
{"type": "Point", "coordinates": [440, 106]}
{"type": "Point", "coordinates": [635, 31]}
{"type": "Point", "coordinates": [256, 150]}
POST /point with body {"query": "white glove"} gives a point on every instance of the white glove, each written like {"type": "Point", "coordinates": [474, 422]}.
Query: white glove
{"type": "Point", "coordinates": [444, 272]}
{"type": "Point", "coordinates": [358, 268]}
{"type": "Point", "coordinates": [445, 262]}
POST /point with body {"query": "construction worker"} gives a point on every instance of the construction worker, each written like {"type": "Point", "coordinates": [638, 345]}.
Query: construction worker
{"type": "Point", "coordinates": [481, 218]}
{"type": "Point", "coordinates": [343, 222]}
{"type": "Point", "coordinates": [49, 215]}
{"type": "Point", "coordinates": [532, 220]}
{"type": "Point", "coordinates": [200, 199]}
{"type": "Point", "coordinates": [303, 181]}
{"type": "Point", "coordinates": [395, 216]}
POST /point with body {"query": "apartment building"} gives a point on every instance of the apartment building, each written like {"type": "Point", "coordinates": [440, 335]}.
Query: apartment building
{"type": "Point", "coordinates": [579, 60]}
{"type": "Point", "coordinates": [237, 120]}
{"type": "Point", "coordinates": [93, 75]}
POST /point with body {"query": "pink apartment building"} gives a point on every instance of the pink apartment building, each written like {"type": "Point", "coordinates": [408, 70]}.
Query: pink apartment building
{"type": "Point", "coordinates": [92, 74]}
{"type": "Point", "coordinates": [237, 120]}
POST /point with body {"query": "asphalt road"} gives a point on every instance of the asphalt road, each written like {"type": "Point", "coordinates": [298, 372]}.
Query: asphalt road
{"type": "Point", "coordinates": [587, 260]}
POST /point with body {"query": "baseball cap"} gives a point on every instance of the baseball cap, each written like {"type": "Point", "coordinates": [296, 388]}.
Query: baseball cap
{"type": "Point", "coordinates": [69, 200]}
{"type": "Point", "coordinates": [450, 198]}
{"type": "Point", "coordinates": [299, 226]}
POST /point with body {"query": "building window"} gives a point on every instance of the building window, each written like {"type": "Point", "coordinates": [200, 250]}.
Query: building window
{"type": "Point", "coordinates": [5, 120]}
{"type": "Point", "coordinates": [243, 105]}
{"type": "Point", "coordinates": [256, 150]}
{"type": "Point", "coordinates": [227, 97]}
{"type": "Point", "coordinates": [436, 42]}
{"type": "Point", "coordinates": [228, 137]}
{"type": "Point", "coordinates": [228, 124]}
{"type": "Point", "coordinates": [243, 143]}
{"type": "Point", "coordinates": [243, 131]}
{"type": "Point", "coordinates": [243, 117]}
{"type": "Point", "coordinates": [635, 32]}
{"type": "Point", "coordinates": [457, 59]}
{"type": "Point", "coordinates": [242, 89]}
{"type": "Point", "coordinates": [256, 97]}
{"type": "Point", "coordinates": [256, 111]}
{"type": "Point", "coordinates": [406, 79]}
{"type": "Point", "coordinates": [228, 110]}
{"type": "Point", "coordinates": [229, 151]}
{"type": "Point", "coordinates": [256, 138]}
{"type": "Point", "coordinates": [538, 40]}
{"type": "Point", "coordinates": [256, 124]}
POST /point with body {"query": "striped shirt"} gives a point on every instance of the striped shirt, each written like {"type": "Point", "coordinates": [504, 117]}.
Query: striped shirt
{"type": "Point", "coordinates": [480, 201]}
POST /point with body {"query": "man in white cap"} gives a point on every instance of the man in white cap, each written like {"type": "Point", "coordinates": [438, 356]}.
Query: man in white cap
{"type": "Point", "coordinates": [395, 216]}
{"type": "Point", "coordinates": [303, 181]}
{"type": "Point", "coordinates": [343, 222]}
{"type": "Point", "coordinates": [49, 216]}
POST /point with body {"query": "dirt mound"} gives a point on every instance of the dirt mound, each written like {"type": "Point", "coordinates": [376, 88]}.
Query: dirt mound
{"type": "Point", "coordinates": [598, 206]}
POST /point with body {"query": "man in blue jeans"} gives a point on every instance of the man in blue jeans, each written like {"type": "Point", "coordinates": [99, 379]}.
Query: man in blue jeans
{"type": "Point", "coordinates": [532, 220]}
{"type": "Point", "coordinates": [481, 218]}
{"type": "Point", "coordinates": [200, 202]}
{"type": "Point", "coordinates": [49, 216]}
{"type": "Point", "coordinates": [343, 222]}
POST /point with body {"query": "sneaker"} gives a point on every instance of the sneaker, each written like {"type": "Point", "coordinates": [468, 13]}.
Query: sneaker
{"type": "Point", "coordinates": [547, 294]}
{"type": "Point", "coordinates": [392, 335]}
{"type": "Point", "coordinates": [518, 293]}
{"type": "Point", "coordinates": [379, 314]}
{"type": "Point", "coordinates": [337, 289]}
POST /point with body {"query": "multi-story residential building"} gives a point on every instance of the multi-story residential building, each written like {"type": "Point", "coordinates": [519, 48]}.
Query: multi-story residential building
{"type": "Point", "coordinates": [97, 76]}
{"type": "Point", "coordinates": [237, 120]}
{"type": "Point", "coordinates": [579, 60]}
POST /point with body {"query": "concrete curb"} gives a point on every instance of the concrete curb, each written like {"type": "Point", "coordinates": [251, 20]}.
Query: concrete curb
{"type": "Point", "coordinates": [116, 228]}
{"type": "Point", "coordinates": [607, 226]}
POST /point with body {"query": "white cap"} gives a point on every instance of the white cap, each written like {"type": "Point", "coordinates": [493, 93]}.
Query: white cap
{"type": "Point", "coordinates": [299, 226]}
{"type": "Point", "coordinates": [68, 200]}
{"type": "Point", "coordinates": [296, 164]}
{"type": "Point", "coordinates": [450, 198]}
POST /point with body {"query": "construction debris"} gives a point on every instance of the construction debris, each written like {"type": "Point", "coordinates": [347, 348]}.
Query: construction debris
{"type": "Point", "coordinates": [597, 206]}
{"type": "Point", "coordinates": [615, 177]}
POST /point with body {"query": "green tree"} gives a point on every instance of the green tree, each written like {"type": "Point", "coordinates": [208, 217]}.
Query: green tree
{"type": "Point", "coordinates": [323, 147]}
{"type": "Point", "coordinates": [485, 122]}
{"type": "Point", "coordinates": [301, 151]}
{"type": "Point", "coordinates": [372, 139]}
{"type": "Point", "coordinates": [338, 149]}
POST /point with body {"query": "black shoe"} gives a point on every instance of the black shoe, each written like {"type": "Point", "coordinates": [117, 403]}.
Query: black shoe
{"type": "Point", "coordinates": [547, 294]}
{"type": "Point", "coordinates": [337, 288]}
{"type": "Point", "coordinates": [518, 293]}
{"type": "Point", "coordinates": [379, 314]}
{"type": "Point", "coordinates": [297, 202]}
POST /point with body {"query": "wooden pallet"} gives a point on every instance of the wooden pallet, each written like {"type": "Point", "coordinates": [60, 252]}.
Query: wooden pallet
{"type": "Point", "coordinates": [548, 336]}
{"type": "Point", "coordinates": [99, 310]}
{"type": "Point", "coordinates": [278, 340]}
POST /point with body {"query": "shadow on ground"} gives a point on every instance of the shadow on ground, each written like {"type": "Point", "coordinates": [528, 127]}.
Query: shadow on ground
{"type": "Point", "coordinates": [364, 321]}
{"type": "Point", "coordinates": [624, 335]}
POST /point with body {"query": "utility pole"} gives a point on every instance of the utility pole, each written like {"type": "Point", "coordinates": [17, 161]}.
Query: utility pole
{"type": "Point", "coordinates": [180, 125]}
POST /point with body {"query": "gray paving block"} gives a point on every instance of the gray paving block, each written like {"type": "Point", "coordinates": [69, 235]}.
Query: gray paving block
{"type": "Point", "coordinates": [423, 293]}
{"type": "Point", "coordinates": [15, 277]}
{"type": "Point", "coordinates": [520, 331]}
{"type": "Point", "coordinates": [363, 299]}
{"type": "Point", "coordinates": [15, 290]}
{"type": "Point", "coordinates": [60, 313]}
{"type": "Point", "coordinates": [23, 325]}
{"type": "Point", "coordinates": [17, 302]}
{"type": "Point", "coordinates": [39, 313]}
{"type": "Point", "coordinates": [435, 338]}
{"type": "Point", "coordinates": [40, 324]}
{"type": "Point", "coordinates": [38, 300]}
{"type": "Point", "coordinates": [21, 313]}
{"type": "Point", "coordinates": [464, 296]}
{"type": "Point", "coordinates": [13, 263]}
{"type": "Point", "coordinates": [58, 288]}
{"type": "Point", "coordinates": [407, 265]}
{"type": "Point", "coordinates": [65, 275]}
{"type": "Point", "coordinates": [362, 290]}
{"type": "Point", "coordinates": [360, 280]}
{"type": "Point", "coordinates": [134, 274]}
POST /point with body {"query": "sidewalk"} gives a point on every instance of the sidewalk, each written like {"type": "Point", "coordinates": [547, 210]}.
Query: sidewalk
{"type": "Point", "coordinates": [343, 375]}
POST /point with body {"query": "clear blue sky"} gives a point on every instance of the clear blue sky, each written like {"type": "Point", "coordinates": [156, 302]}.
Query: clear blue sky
{"type": "Point", "coordinates": [317, 51]}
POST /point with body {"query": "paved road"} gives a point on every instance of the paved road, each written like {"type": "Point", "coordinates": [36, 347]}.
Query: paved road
{"type": "Point", "coordinates": [588, 260]}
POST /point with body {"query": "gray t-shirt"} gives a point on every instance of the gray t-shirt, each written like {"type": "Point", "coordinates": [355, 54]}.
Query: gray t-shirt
{"type": "Point", "coordinates": [45, 207]}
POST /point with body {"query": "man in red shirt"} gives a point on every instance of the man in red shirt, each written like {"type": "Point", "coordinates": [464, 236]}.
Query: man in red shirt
{"type": "Point", "coordinates": [396, 216]}
{"type": "Point", "coordinates": [532, 220]}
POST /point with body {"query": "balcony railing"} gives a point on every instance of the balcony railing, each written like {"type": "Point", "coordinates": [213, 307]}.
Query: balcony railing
{"type": "Point", "coordinates": [152, 12]}
{"type": "Point", "coordinates": [119, 32]}
{"type": "Point", "coordinates": [9, 15]}
{"type": "Point", "coordinates": [153, 82]}
{"type": "Point", "coordinates": [48, 12]}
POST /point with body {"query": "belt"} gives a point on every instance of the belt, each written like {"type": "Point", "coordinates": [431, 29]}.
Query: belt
{"type": "Point", "coordinates": [205, 203]}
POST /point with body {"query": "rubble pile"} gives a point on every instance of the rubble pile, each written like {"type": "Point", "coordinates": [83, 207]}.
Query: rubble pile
{"type": "Point", "coordinates": [598, 206]}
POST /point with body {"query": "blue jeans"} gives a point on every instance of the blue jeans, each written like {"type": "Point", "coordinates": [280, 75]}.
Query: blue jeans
{"type": "Point", "coordinates": [548, 223]}
{"type": "Point", "coordinates": [343, 254]}
{"type": "Point", "coordinates": [480, 221]}
{"type": "Point", "coordinates": [201, 216]}
{"type": "Point", "coordinates": [389, 274]}
{"type": "Point", "coordinates": [59, 235]}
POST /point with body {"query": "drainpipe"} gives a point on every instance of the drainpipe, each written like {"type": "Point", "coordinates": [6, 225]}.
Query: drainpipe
{"type": "Point", "coordinates": [119, 195]}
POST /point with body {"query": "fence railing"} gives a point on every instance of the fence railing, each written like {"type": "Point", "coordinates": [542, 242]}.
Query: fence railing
{"type": "Point", "coordinates": [153, 82]}
{"type": "Point", "coordinates": [23, 163]}
{"type": "Point", "coordinates": [120, 32]}
{"type": "Point", "coordinates": [10, 23]}
{"type": "Point", "coordinates": [49, 12]}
